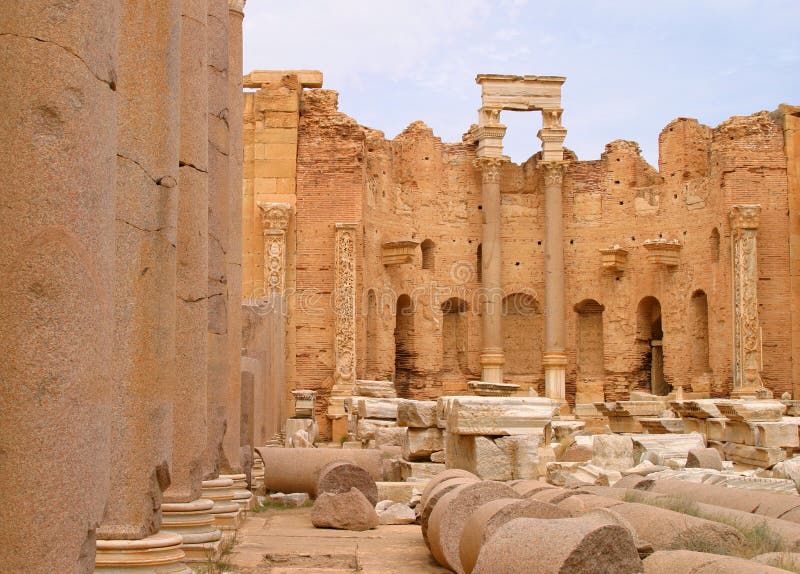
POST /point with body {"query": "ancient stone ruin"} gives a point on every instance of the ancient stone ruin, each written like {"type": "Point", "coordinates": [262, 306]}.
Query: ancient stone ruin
{"type": "Point", "coordinates": [237, 323]}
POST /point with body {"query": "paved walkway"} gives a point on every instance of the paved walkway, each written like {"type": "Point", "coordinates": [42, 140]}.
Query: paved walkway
{"type": "Point", "coordinates": [285, 542]}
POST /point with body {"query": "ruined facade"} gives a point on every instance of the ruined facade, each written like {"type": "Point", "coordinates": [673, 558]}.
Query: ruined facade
{"type": "Point", "coordinates": [651, 257]}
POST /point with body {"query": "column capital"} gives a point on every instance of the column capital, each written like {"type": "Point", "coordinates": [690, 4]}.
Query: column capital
{"type": "Point", "coordinates": [274, 216]}
{"type": "Point", "coordinates": [237, 6]}
{"type": "Point", "coordinates": [745, 216]}
{"type": "Point", "coordinates": [553, 171]}
{"type": "Point", "coordinates": [491, 167]}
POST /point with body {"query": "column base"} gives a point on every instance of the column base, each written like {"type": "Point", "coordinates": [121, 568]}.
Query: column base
{"type": "Point", "coordinates": [555, 375]}
{"type": "Point", "coordinates": [492, 366]}
{"type": "Point", "coordinates": [257, 475]}
{"type": "Point", "coordinates": [241, 496]}
{"type": "Point", "coordinates": [160, 553]}
{"type": "Point", "coordinates": [225, 511]}
{"type": "Point", "coordinates": [202, 540]}
{"type": "Point", "coordinates": [756, 392]}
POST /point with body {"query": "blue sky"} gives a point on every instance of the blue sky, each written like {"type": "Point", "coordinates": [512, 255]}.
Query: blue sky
{"type": "Point", "coordinates": [631, 65]}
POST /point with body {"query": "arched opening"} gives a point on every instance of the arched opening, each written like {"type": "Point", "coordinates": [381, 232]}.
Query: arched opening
{"type": "Point", "coordinates": [454, 336]}
{"type": "Point", "coordinates": [714, 245]}
{"type": "Point", "coordinates": [427, 247]}
{"type": "Point", "coordinates": [699, 326]}
{"type": "Point", "coordinates": [403, 344]}
{"type": "Point", "coordinates": [479, 262]}
{"type": "Point", "coordinates": [522, 334]}
{"type": "Point", "coordinates": [649, 336]}
{"type": "Point", "coordinates": [590, 338]}
{"type": "Point", "coordinates": [371, 362]}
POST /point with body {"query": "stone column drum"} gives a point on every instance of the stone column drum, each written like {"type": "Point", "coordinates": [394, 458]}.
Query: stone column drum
{"type": "Point", "coordinates": [57, 175]}
{"type": "Point", "coordinates": [492, 356]}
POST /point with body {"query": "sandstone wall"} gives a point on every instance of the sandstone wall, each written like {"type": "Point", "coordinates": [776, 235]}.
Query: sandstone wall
{"type": "Point", "coordinates": [417, 188]}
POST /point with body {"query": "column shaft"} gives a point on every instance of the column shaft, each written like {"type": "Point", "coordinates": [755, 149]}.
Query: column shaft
{"type": "Point", "coordinates": [148, 85]}
{"type": "Point", "coordinates": [218, 229]}
{"type": "Point", "coordinates": [554, 358]}
{"type": "Point", "coordinates": [57, 175]}
{"type": "Point", "coordinates": [492, 356]}
{"type": "Point", "coordinates": [189, 432]}
{"type": "Point", "coordinates": [746, 330]}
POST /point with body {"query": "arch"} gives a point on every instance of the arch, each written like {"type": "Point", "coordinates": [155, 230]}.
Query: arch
{"type": "Point", "coordinates": [699, 325]}
{"type": "Point", "coordinates": [371, 362]}
{"type": "Point", "coordinates": [454, 336]}
{"type": "Point", "coordinates": [403, 343]}
{"type": "Point", "coordinates": [479, 262]}
{"type": "Point", "coordinates": [590, 338]}
{"type": "Point", "coordinates": [428, 254]}
{"type": "Point", "coordinates": [649, 336]}
{"type": "Point", "coordinates": [523, 326]}
{"type": "Point", "coordinates": [713, 241]}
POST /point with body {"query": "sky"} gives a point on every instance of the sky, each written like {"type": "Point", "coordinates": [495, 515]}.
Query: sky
{"type": "Point", "coordinates": [632, 66]}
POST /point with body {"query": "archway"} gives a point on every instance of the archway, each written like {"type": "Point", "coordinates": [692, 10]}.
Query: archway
{"type": "Point", "coordinates": [699, 326]}
{"type": "Point", "coordinates": [649, 336]}
{"type": "Point", "coordinates": [454, 336]}
{"type": "Point", "coordinates": [522, 334]}
{"type": "Point", "coordinates": [428, 254]}
{"type": "Point", "coordinates": [403, 344]}
{"type": "Point", "coordinates": [590, 338]}
{"type": "Point", "coordinates": [371, 362]}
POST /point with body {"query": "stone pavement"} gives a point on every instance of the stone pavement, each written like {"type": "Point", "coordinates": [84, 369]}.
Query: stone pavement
{"type": "Point", "coordinates": [285, 542]}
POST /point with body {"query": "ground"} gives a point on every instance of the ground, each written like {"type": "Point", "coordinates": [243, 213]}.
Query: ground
{"type": "Point", "coordinates": [285, 542]}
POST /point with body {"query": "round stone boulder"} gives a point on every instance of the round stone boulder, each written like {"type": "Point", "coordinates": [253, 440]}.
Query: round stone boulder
{"type": "Point", "coordinates": [583, 545]}
{"type": "Point", "coordinates": [340, 476]}
{"type": "Point", "coordinates": [450, 516]}
{"type": "Point", "coordinates": [344, 511]}
{"type": "Point", "coordinates": [489, 517]}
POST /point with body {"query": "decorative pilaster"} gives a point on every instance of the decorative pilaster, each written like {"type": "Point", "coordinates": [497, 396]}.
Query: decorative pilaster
{"type": "Point", "coordinates": [554, 359]}
{"type": "Point", "coordinates": [492, 355]}
{"type": "Point", "coordinates": [274, 221]}
{"type": "Point", "coordinates": [746, 331]}
{"type": "Point", "coordinates": [344, 307]}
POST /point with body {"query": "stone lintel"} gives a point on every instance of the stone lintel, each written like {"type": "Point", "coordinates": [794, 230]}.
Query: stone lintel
{"type": "Point", "coordinates": [306, 78]}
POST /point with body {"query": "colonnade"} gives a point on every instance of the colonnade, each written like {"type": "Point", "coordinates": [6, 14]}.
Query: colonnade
{"type": "Point", "coordinates": [120, 300]}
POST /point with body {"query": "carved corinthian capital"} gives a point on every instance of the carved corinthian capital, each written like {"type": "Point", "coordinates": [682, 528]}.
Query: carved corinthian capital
{"type": "Point", "coordinates": [553, 172]}
{"type": "Point", "coordinates": [491, 168]}
{"type": "Point", "coordinates": [745, 216]}
{"type": "Point", "coordinates": [275, 216]}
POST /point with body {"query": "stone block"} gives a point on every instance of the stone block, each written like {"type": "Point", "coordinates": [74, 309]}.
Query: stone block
{"type": "Point", "coordinates": [667, 446]}
{"type": "Point", "coordinates": [419, 471]}
{"type": "Point", "coordinates": [613, 452]}
{"type": "Point", "coordinates": [523, 451]}
{"type": "Point", "coordinates": [438, 456]}
{"type": "Point", "coordinates": [376, 389]}
{"type": "Point", "coordinates": [389, 436]}
{"type": "Point", "coordinates": [396, 513]}
{"type": "Point", "coordinates": [416, 414]}
{"type": "Point", "coordinates": [371, 408]}
{"type": "Point", "coordinates": [754, 455]}
{"type": "Point", "coordinates": [751, 410]}
{"type": "Point", "coordinates": [498, 416]}
{"type": "Point", "coordinates": [398, 491]}
{"type": "Point", "coordinates": [564, 429]}
{"type": "Point", "coordinates": [308, 426]}
{"type": "Point", "coordinates": [419, 444]}
{"type": "Point", "coordinates": [367, 427]}
{"type": "Point", "coordinates": [479, 455]}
